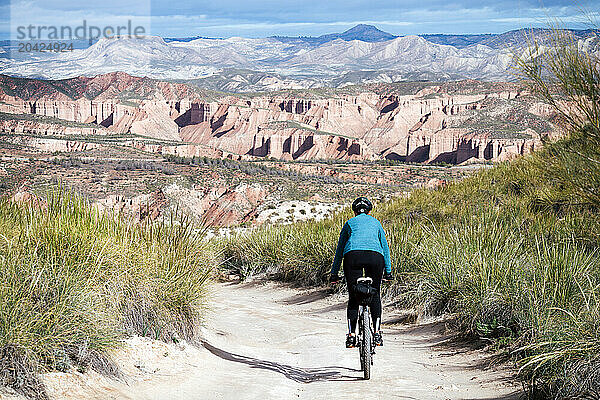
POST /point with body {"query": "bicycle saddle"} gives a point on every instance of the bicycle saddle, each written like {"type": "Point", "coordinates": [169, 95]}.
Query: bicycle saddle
{"type": "Point", "coordinates": [366, 280]}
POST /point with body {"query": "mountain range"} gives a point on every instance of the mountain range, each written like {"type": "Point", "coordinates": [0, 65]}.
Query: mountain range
{"type": "Point", "coordinates": [363, 54]}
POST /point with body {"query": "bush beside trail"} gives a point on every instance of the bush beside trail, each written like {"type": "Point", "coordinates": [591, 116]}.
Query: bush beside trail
{"type": "Point", "coordinates": [74, 283]}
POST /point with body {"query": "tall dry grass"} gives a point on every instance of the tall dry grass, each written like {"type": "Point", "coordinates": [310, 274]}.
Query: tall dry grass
{"type": "Point", "coordinates": [74, 283]}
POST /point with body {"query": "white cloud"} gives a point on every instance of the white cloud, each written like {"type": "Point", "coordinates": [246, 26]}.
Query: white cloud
{"type": "Point", "coordinates": [219, 20]}
{"type": "Point", "coordinates": [548, 19]}
{"type": "Point", "coordinates": [24, 13]}
{"type": "Point", "coordinates": [263, 25]}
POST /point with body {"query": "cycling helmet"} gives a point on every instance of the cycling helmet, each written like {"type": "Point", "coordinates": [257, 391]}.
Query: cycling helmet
{"type": "Point", "coordinates": [362, 205]}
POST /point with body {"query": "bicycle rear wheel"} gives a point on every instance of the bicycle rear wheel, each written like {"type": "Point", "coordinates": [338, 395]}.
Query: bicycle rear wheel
{"type": "Point", "coordinates": [365, 345]}
{"type": "Point", "coordinates": [359, 340]}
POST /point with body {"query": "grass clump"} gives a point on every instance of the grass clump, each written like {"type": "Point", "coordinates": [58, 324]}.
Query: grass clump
{"type": "Point", "coordinates": [75, 282]}
{"type": "Point", "coordinates": [294, 253]}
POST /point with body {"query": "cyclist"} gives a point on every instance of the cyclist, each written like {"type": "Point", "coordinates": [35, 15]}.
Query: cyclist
{"type": "Point", "coordinates": [362, 245]}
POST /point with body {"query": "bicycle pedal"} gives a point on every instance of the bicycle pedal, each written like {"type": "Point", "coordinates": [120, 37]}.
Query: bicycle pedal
{"type": "Point", "coordinates": [350, 342]}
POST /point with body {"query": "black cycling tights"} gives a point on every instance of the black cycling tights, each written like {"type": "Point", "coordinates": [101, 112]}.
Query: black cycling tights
{"type": "Point", "coordinates": [373, 264]}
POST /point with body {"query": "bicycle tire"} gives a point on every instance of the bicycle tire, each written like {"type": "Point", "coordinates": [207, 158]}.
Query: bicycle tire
{"type": "Point", "coordinates": [365, 346]}
{"type": "Point", "coordinates": [359, 342]}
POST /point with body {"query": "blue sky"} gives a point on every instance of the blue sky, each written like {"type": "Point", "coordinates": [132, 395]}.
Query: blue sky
{"type": "Point", "coordinates": [249, 18]}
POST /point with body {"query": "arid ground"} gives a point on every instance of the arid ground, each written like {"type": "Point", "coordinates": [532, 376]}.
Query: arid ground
{"type": "Point", "coordinates": [264, 340]}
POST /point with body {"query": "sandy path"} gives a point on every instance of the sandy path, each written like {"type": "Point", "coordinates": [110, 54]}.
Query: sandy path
{"type": "Point", "coordinates": [268, 342]}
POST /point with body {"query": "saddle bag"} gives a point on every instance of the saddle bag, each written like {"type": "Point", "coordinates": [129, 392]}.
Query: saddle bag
{"type": "Point", "coordinates": [364, 293]}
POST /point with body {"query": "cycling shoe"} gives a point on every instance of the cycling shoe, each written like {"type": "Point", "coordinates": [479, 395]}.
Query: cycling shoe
{"type": "Point", "coordinates": [350, 341]}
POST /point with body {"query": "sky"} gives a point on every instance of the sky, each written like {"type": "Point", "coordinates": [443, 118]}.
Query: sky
{"type": "Point", "coordinates": [250, 18]}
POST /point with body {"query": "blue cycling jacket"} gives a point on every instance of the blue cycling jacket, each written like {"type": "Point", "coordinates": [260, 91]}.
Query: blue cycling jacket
{"type": "Point", "coordinates": [362, 232]}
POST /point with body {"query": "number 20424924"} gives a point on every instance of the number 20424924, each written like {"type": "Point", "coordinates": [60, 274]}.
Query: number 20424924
{"type": "Point", "coordinates": [43, 47]}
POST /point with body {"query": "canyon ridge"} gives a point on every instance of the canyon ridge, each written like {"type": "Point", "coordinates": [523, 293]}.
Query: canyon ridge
{"type": "Point", "coordinates": [452, 122]}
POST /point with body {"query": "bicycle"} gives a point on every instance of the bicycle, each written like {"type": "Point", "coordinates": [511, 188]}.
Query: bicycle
{"type": "Point", "coordinates": [366, 345]}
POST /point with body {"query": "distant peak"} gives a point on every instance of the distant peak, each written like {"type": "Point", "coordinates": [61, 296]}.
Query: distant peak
{"type": "Point", "coordinates": [364, 28]}
{"type": "Point", "coordinates": [363, 32]}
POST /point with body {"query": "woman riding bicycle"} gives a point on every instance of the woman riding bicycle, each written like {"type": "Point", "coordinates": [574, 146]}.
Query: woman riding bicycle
{"type": "Point", "coordinates": [363, 246]}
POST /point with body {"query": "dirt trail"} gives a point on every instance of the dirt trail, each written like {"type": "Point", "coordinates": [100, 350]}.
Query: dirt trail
{"type": "Point", "coordinates": [264, 341]}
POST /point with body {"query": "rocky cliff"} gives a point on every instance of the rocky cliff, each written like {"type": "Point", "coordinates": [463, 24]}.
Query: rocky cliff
{"type": "Point", "coordinates": [450, 123]}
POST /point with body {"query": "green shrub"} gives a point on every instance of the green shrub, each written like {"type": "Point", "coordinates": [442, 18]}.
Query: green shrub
{"type": "Point", "coordinates": [75, 282]}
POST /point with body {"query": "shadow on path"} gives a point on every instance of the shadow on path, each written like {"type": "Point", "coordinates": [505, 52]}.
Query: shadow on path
{"type": "Point", "coordinates": [511, 396]}
{"type": "Point", "coordinates": [301, 375]}
{"type": "Point", "coordinates": [306, 297]}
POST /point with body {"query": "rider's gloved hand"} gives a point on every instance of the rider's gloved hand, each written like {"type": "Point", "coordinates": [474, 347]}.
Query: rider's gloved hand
{"type": "Point", "coordinates": [334, 278]}
{"type": "Point", "coordinates": [388, 277]}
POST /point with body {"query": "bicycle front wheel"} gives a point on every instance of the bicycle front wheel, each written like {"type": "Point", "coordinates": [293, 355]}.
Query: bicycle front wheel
{"type": "Point", "coordinates": [365, 345]}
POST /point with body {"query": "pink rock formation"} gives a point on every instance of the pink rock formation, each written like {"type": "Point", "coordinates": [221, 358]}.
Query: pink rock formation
{"type": "Point", "coordinates": [46, 128]}
{"type": "Point", "coordinates": [24, 197]}
{"type": "Point", "coordinates": [427, 126]}
{"type": "Point", "coordinates": [235, 205]}
{"type": "Point", "coordinates": [139, 209]}
{"type": "Point", "coordinates": [48, 145]}
{"type": "Point", "coordinates": [435, 183]}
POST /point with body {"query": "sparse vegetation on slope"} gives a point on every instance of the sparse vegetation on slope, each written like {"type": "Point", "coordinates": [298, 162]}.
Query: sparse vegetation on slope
{"type": "Point", "coordinates": [74, 283]}
{"type": "Point", "coordinates": [47, 120]}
